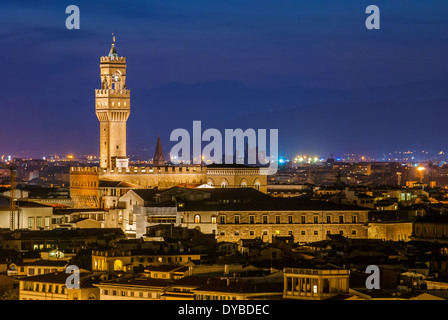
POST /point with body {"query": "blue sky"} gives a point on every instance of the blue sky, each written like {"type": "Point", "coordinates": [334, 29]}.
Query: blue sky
{"type": "Point", "coordinates": [51, 72]}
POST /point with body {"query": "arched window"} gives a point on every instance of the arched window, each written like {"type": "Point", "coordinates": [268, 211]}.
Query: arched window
{"type": "Point", "coordinates": [197, 219]}
{"type": "Point", "coordinates": [224, 184]}
{"type": "Point", "coordinates": [257, 185]}
{"type": "Point", "coordinates": [118, 264]}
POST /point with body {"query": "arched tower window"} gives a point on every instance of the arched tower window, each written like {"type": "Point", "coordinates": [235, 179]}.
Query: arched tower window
{"type": "Point", "coordinates": [116, 80]}
{"type": "Point", "coordinates": [257, 185]}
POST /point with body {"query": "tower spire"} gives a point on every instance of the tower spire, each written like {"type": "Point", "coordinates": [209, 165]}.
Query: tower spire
{"type": "Point", "coordinates": [159, 159]}
{"type": "Point", "coordinates": [113, 51]}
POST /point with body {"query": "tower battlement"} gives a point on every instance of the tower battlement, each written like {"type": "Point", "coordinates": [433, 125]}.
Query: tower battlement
{"type": "Point", "coordinates": [140, 170]}
{"type": "Point", "coordinates": [113, 59]}
{"type": "Point", "coordinates": [84, 170]}
{"type": "Point", "coordinates": [104, 93]}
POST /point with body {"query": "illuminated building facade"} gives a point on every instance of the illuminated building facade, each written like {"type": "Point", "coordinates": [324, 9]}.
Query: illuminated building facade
{"type": "Point", "coordinates": [112, 103]}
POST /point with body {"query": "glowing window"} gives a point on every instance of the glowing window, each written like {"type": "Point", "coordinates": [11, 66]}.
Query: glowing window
{"type": "Point", "coordinates": [118, 265]}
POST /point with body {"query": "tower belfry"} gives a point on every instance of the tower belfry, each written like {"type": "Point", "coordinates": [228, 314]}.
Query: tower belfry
{"type": "Point", "coordinates": [112, 106]}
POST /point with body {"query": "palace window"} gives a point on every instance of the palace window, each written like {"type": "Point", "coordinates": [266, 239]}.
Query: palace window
{"type": "Point", "coordinates": [222, 219]}
{"type": "Point", "coordinates": [30, 222]}
{"type": "Point", "coordinates": [341, 219]}
{"type": "Point", "coordinates": [251, 219]}
{"type": "Point", "coordinates": [290, 219]}
{"type": "Point", "coordinates": [197, 219]}
{"type": "Point", "coordinates": [237, 219]}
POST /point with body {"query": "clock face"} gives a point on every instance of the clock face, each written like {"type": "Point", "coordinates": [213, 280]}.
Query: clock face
{"type": "Point", "coordinates": [116, 77]}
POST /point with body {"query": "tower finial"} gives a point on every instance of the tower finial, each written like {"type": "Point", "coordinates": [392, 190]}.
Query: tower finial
{"type": "Point", "coordinates": [113, 51]}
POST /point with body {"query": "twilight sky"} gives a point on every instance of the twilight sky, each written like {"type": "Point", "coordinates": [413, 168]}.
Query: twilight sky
{"type": "Point", "coordinates": [282, 61]}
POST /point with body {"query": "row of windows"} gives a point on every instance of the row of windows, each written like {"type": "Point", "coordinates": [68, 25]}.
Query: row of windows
{"type": "Point", "coordinates": [289, 233]}
{"type": "Point", "coordinates": [104, 104]}
{"type": "Point", "coordinates": [88, 184]}
{"type": "Point", "coordinates": [212, 297]}
{"type": "Point", "coordinates": [278, 219]}
{"type": "Point", "coordinates": [99, 264]}
{"type": "Point", "coordinates": [36, 222]}
{"type": "Point", "coordinates": [94, 216]}
{"type": "Point", "coordinates": [43, 287]}
{"type": "Point", "coordinates": [33, 271]}
{"type": "Point", "coordinates": [243, 184]}
{"type": "Point", "coordinates": [433, 231]}
{"type": "Point", "coordinates": [130, 293]}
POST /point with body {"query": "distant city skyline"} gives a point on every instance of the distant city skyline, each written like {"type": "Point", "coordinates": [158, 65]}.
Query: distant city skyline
{"type": "Point", "coordinates": [312, 70]}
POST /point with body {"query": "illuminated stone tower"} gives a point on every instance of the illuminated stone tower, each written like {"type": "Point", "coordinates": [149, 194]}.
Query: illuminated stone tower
{"type": "Point", "coordinates": [112, 106]}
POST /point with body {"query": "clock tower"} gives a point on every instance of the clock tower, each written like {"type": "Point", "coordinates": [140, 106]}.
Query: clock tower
{"type": "Point", "coordinates": [112, 106]}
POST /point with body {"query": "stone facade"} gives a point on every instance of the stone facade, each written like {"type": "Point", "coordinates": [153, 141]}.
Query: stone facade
{"type": "Point", "coordinates": [236, 177]}
{"type": "Point", "coordinates": [113, 107]}
{"type": "Point", "coordinates": [390, 231]}
{"type": "Point", "coordinates": [84, 187]}
{"type": "Point", "coordinates": [305, 226]}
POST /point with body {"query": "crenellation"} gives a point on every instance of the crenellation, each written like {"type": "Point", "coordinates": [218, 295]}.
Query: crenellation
{"type": "Point", "coordinates": [113, 59]}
